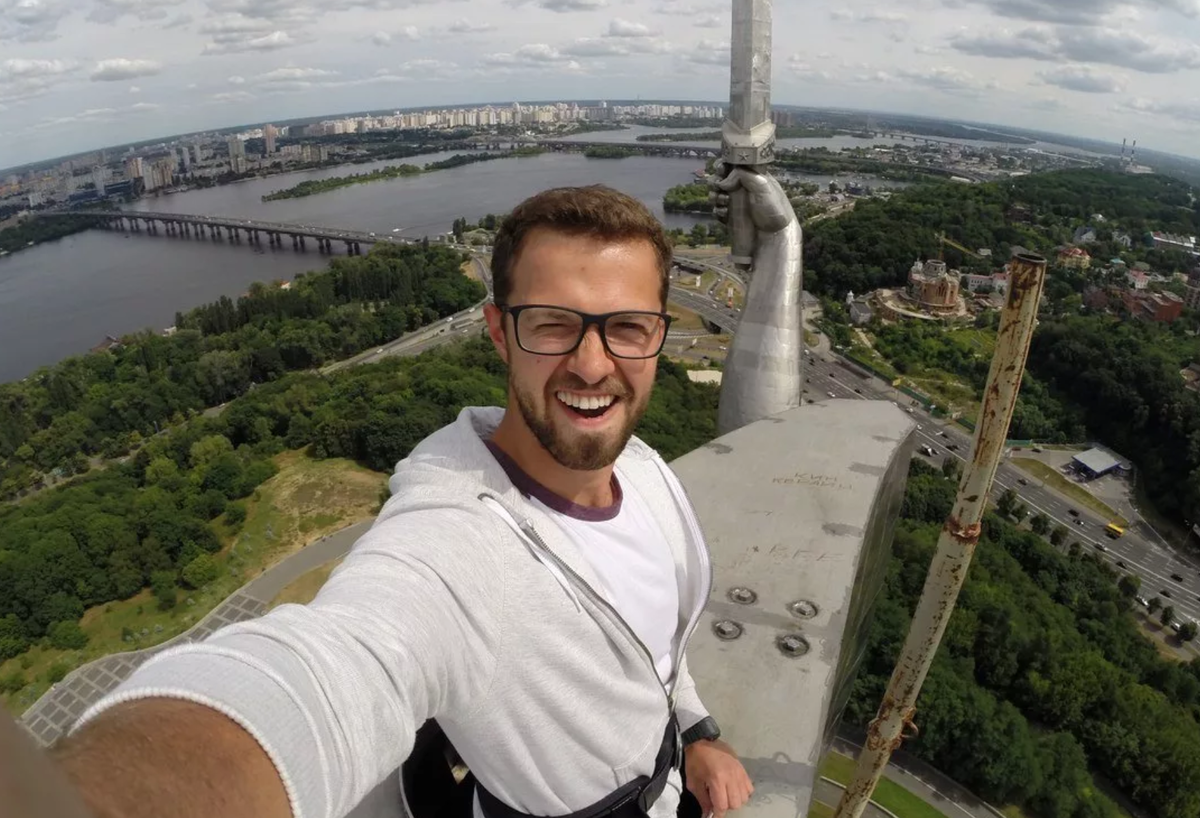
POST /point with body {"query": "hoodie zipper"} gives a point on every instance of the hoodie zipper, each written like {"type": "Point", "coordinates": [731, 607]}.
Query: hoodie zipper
{"type": "Point", "coordinates": [685, 503]}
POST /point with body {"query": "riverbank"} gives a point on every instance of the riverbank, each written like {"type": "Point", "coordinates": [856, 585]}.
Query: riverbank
{"type": "Point", "coordinates": [33, 232]}
{"type": "Point", "coordinates": [312, 187]}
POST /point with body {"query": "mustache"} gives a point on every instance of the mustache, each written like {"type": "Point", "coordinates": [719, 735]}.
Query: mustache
{"type": "Point", "coordinates": [610, 385]}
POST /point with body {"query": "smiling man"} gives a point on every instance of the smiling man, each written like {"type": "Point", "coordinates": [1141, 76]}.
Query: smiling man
{"type": "Point", "coordinates": [531, 584]}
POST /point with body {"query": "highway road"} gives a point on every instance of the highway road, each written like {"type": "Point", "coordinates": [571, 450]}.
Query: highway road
{"type": "Point", "coordinates": [1138, 552]}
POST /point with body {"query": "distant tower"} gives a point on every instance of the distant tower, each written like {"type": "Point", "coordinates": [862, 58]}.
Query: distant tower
{"type": "Point", "coordinates": [849, 298]}
{"type": "Point", "coordinates": [269, 134]}
{"type": "Point", "coordinates": [1123, 141]}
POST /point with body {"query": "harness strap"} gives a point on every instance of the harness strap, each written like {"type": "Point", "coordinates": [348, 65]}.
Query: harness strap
{"type": "Point", "coordinates": [633, 800]}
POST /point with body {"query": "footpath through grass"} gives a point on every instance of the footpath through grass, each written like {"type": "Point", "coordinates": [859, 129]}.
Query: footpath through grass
{"type": "Point", "coordinates": [1050, 476]}
{"type": "Point", "coordinates": [889, 795]}
{"type": "Point", "coordinates": [306, 500]}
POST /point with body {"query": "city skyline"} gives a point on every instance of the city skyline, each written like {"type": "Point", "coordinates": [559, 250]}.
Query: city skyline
{"type": "Point", "coordinates": [78, 77]}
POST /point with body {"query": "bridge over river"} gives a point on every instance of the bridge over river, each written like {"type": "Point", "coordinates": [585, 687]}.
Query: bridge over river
{"type": "Point", "coordinates": [235, 230]}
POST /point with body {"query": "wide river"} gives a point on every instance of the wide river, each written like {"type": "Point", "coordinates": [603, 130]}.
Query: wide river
{"type": "Point", "coordinates": [63, 297]}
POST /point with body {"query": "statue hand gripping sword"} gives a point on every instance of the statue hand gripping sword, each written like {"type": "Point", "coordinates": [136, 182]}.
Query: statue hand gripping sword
{"type": "Point", "coordinates": [762, 374]}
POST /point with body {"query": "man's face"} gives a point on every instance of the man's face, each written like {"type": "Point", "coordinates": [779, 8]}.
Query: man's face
{"type": "Point", "coordinates": [591, 276]}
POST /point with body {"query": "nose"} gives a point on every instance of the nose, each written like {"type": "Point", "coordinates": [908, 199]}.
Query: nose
{"type": "Point", "coordinates": [590, 360]}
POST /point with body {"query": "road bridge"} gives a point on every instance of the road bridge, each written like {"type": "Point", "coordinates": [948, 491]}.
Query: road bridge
{"type": "Point", "coordinates": [235, 230]}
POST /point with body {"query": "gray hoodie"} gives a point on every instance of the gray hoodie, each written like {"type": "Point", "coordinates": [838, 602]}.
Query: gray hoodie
{"type": "Point", "coordinates": [466, 604]}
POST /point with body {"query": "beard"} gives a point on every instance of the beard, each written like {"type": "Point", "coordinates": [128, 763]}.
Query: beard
{"type": "Point", "coordinates": [570, 448]}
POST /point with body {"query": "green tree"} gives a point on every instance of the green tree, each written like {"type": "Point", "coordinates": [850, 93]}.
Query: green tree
{"type": "Point", "coordinates": [1040, 524]}
{"type": "Point", "coordinates": [1129, 585]}
{"type": "Point", "coordinates": [1168, 615]}
{"type": "Point", "coordinates": [1187, 631]}
{"type": "Point", "coordinates": [1153, 605]}
{"type": "Point", "coordinates": [200, 571]}
{"type": "Point", "coordinates": [951, 469]}
{"type": "Point", "coordinates": [1059, 535]}
{"type": "Point", "coordinates": [67, 636]}
{"type": "Point", "coordinates": [1007, 503]}
{"type": "Point", "coordinates": [162, 584]}
{"type": "Point", "coordinates": [235, 514]}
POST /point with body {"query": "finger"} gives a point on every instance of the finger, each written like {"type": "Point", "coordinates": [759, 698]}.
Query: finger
{"type": "Point", "coordinates": [731, 182]}
{"type": "Point", "coordinates": [720, 799]}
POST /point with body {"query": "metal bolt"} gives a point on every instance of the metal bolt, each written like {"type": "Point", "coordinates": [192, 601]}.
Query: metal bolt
{"type": "Point", "coordinates": [792, 645]}
{"type": "Point", "coordinates": [802, 609]}
{"type": "Point", "coordinates": [743, 596]}
{"type": "Point", "coordinates": [727, 630]}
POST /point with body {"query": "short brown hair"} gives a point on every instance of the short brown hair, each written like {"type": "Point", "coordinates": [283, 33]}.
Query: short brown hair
{"type": "Point", "coordinates": [597, 211]}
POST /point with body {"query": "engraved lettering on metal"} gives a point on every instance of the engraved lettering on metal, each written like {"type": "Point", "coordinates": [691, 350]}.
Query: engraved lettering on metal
{"type": "Point", "coordinates": [742, 596]}
{"type": "Point", "coordinates": [727, 630]}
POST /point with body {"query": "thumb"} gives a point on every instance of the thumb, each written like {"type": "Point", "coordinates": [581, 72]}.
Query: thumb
{"type": "Point", "coordinates": [731, 182]}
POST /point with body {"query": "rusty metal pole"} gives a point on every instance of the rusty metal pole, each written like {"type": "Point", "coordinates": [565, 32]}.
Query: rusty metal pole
{"type": "Point", "coordinates": [960, 534]}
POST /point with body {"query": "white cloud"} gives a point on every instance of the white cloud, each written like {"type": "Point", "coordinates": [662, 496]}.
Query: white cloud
{"type": "Point", "coordinates": [231, 96]}
{"type": "Point", "coordinates": [711, 21]}
{"type": "Point", "coordinates": [532, 54]}
{"type": "Point", "coordinates": [1082, 78]}
{"type": "Point", "coordinates": [944, 78]}
{"type": "Point", "coordinates": [1187, 111]}
{"type": "Point", "coordinates": [133, 89]}
{"type": "Point", "coordinates": [124, 69]}
{"type": "Point", "coordinates": [877, 15]}
{"type": "Point", "coordinates": [624, 28]}
{"type": "Point", "coordinates": [24, 79]}
{"type": "Point", "coordinates": [273, 41]}
{"type": "Point", "coordinates": [31, 21]}
{"type": "Point", "coordinates": [563, 6]}
{"type": "Point", "coordinates": [709, 52]}
{"type": "Point", "coordinates": [236, 80]}
{"type": "Point", "coordinates": [109, 11]}
{"type": "Point", "coordinates": [384, 38]}
{"type": "Point", "coordinates": [292, 74]}
{"type": "Point", "coordinates": [463, 26]}
{"type": "Point", "coordinates": [1094, 44]}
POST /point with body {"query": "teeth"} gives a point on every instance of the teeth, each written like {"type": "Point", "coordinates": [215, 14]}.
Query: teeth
{"type": "Point", "coordinates": [585, 402]}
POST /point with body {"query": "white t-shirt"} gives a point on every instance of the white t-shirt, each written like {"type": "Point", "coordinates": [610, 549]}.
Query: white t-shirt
{"type": "Point", "coordinates": [629, 554]}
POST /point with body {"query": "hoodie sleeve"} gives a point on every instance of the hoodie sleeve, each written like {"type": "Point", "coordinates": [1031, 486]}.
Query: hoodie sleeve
{"type": "Point", "coordinates": [688, 708]}
{"type": "Point", "coordinates": [406, 629]}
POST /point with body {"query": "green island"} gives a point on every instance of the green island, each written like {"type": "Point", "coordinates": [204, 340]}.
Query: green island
{"type": "Point", "coordinates": [312, 187]}
{"type": "Point", "coordinates": [31, 232]}
{"type": "Point", "coordinates": [690, 198]}
{"type": "Point", "coordinates": [608, 152]}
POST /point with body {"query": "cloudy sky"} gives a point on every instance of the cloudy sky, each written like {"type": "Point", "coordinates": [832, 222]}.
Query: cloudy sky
{"type": "Point", "coordinates": [80, 74]}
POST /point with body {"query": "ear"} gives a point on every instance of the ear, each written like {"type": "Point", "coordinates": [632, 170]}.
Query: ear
{"type": "Point", "coordinates": [495, 324]}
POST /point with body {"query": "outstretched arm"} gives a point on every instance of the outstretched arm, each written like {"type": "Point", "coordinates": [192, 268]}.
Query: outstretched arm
{"type": "Point", "coordinates": [304, 711]}
{"type": "Point", "coordinates": [762, 373]}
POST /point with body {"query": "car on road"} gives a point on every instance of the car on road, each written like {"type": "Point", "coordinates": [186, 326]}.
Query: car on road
{"type": "Point", "coordinates": [1177, 577]}
{"type": "Point", "coordinates": [830, 394]}
{"type": "Point", "coordinates": [942, 433]}
{"type": "Point", "coordinates": [1099, 546]}
{"type": "Point", "coordinates": [928, 451]}
{"type": "Point", "coordinates": [1120, 563]}
{"type": "Point", "coordinates": [1143, 602]}
{"type": "Point", "coordinates": [1073, 512]}
{"type": "Point", "coordinates": [1165, 593]}
{"type": "Point", "coordinates": [1022, 481]}
{"type": "Point", "coordinates": [379, 351]}
{"type": "Point", "coordinates": [1079, 523]}
{"type": "Point", "coordinates": [858, 391]}
{"type": "Point", "coordinates": [952, 447]}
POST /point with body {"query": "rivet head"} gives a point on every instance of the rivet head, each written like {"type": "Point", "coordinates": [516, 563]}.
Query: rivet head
{"type": "Point", "coordinates": [727, 630]}
{"type": "Point", "coordinates": [802, 609]}
{"type": "Point", "coordinates": [792, 645]}
{"type": "Point", "coordinates": [742, 596]}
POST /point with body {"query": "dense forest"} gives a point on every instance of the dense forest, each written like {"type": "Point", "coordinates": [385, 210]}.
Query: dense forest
{"type": "Point", "coordinates": [875, 245]}
{"type": "Point", "coordinates": [1090, 376]}
{"type": "Point", "coordinates": [36, 231]}
{"type": "Point", "coordinates": [1042, 673]}
{"type": "Point", "coordinates": [146, 521]}
{"type": "Point", "coordinates": [104, 403]}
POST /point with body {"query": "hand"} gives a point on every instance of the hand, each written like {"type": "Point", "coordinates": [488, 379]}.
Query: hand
{"type": "Point", "coordinates": [769, 205]}
{"type": "Point", "coordinates": [716, 777]}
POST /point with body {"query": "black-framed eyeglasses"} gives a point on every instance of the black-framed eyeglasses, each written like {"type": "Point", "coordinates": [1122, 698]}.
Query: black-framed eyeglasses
{"type": "Point", "coordinates": [544, 329]}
